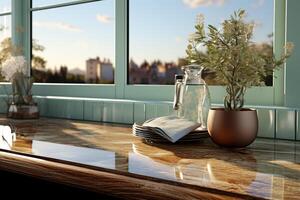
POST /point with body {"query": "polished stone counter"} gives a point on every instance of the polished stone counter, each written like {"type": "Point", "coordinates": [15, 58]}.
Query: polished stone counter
{"type": "Point", "coordinates": [107, 158]}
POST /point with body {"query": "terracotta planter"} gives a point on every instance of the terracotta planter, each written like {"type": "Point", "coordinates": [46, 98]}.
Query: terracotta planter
{"type": "Point", "coordinates": [23, 111]}
{"type": "Point", "coordinates": [232, 128]}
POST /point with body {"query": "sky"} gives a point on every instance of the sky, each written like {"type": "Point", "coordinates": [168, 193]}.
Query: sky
{"type": "Point", "coordinates": [73, 34]}
{"type": "Point", "coordinates": [159, 29]}
{"type": "Point", "coordinates": [5, 6]}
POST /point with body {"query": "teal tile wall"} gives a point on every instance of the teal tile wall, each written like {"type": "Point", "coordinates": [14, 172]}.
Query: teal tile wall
{"type": "Point", "coordinates": [139, 112]}
{"type": "Point", "coordinates": [74, 109]}
{"type": "Point", "coordinates": [266, 126]}
{"type": "Point", "coordinates": [162, 110]}
{"type": "Point", "coordinates": [118, 112]}
{"type": "Point", "coordinates": [42, 104]}
{"type": "Point", "coordinates": [298, 126]}
{"type": "Point", "coordinates": [3, 105]}
{"type": "Point", "coordinates": [70, 109]}
{"type": "Point", "coordinates": [93, 110]}
{"type": "Point", "coordinates": [274, 122]}
{"type": "Point", "coordinates": [55, 108]}
{"type": "Point", "coordinates": [156, 110]}
{"type": "Point", "coordinates": [122, 113]}
{"type": "Point", "coordinates": [285, 124]}
{"type": "Point", "coordinates": [150, 111]}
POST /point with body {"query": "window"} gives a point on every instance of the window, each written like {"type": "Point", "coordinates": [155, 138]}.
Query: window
{"type": "Point", "coordinates": [5, 31]}
{"type": "Point", "coordinates": [5, 6]}
{"type": "Point", "coordinates": [162, 30]}
{"type": "Point", "coordinates": [131, 30]}
{"type": "Point", "coordinates": [74, 43]}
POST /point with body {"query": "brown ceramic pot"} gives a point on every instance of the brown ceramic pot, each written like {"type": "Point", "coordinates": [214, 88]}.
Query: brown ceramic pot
{"type": "Point", "coordinates": [232, 128]}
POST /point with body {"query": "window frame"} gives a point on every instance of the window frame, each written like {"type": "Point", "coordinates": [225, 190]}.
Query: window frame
{"type": "Point", "coordinates": [2, 14]}
{"type": "Point", "coordinates": [272, 95]}
{"type": "Point", "coordinates": [121, 90]}
{"type": "Point", "coordinates": [67, 89]}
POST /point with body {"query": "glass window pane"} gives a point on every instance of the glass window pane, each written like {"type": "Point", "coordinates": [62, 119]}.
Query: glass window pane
{"type": "Point", "coordinates": [159, 32]}
{"type": "Point", "coordinates": [5, 6]}
{"type": "Point", "coordinates": [5, 39]}
{"type": "Point", "coordinates": [74, 44]}
{"type": "Point", "coordinates": [39, 3]}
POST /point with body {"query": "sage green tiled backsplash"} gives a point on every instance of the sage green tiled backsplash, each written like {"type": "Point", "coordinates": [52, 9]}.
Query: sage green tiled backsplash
{"type": "Point", "coordinates": [274, 122]}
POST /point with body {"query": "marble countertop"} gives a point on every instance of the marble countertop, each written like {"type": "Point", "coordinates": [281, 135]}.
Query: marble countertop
{"type": "Point", "coordinates": [268, 169]}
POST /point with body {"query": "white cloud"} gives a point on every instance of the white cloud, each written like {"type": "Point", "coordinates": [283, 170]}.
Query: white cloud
{"type": "Point", "coordinates": [104, 19]}
{"type": "Point", "coordinates": [197, 3]}
{"type": "Point", "coordinates": [57, 25]}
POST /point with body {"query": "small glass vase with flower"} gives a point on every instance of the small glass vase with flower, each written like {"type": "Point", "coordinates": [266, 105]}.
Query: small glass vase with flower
{"type": "Point", "coordinates": [20, 101]}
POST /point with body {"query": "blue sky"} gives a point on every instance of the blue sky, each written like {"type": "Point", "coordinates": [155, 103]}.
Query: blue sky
{"type": "Point", "coordinates": [73, 34]}
{"type": "Point", "coordinates": [5, 6]}
{"type": "Point", "coordinates": [159, 29]}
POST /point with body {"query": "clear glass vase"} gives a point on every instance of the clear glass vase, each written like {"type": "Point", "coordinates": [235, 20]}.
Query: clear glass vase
{"type": "Point", "coordinates": [192, 98]}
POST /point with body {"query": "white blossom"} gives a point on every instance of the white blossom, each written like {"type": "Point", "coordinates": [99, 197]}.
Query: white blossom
{"type": "Point", "coordinates": [200, 19]}
{"type": "Point", "coordinates": [15, 64]}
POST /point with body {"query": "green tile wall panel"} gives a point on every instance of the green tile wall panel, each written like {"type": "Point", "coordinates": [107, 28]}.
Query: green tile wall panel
{"type": "Point", "coordinates": [107, 113]}
{"type": "Point", "coordinates": [55, 108]}
{"type": "Point", "coordinates": [157, 110]}
{"type": "Point", "coordinates": [118, 112]}
{"type": "Point", "coordinates": [298, 126]}
{"type": "Point", "coordinates": [266, 122]}
{"type": "Point", "coordinates": [88, 110]}
{"type": "Point", "coordinates": [42, 105]}
{"type": "Point", "coordinates": [139, 112]}
{"type": "Point", "coordinates": [285, 124]}
{"type": "Point", "coordinates": [3, 105]}
{"type": "Point", "coordinates": [162, 110]}
{"type": "Point", "coordinates": [123, 113]}
{"type": "Point", "coordinates": [74, 109]}
{"type": "Point", "coordinates": [70, 109]}
{"type": "Point", "coordinates": [150, 111]}
{"type": "Point", "coordinates": [93, 110]}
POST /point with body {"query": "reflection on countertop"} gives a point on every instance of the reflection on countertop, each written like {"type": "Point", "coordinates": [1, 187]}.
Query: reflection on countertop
{"type": "Point", "coordinates": [267, 169]}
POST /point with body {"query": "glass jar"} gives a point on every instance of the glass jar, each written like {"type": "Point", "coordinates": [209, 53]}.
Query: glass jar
{"type": "Point", "coordinates": [192, 98]}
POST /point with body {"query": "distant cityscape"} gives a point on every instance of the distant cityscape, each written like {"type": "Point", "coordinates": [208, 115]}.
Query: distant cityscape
{"type": "Point", "coordinates": [97, 72]}
{"type": "Point", "coordinates": [101, 71]}
{"type": "Point", "coordinates": [155, 72]}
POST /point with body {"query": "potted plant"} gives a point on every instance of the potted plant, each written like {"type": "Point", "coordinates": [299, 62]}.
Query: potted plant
{"type": "Point", "coordinates": [20, 102]}
{"type": "Point", "coordinates": [238, 65]}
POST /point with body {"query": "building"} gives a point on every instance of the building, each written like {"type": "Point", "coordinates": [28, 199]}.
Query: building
{"type": "Point", "coordinates": [92, 70]}
{"type": "Point", "coordinates": [98, 71]}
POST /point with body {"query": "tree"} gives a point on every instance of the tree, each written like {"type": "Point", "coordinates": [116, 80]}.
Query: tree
{"type": "Point", "coordinates": [38, 61]}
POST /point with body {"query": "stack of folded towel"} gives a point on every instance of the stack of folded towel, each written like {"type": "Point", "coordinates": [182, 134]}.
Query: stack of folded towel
{"type": "Point", "coordinates": [169, 128]}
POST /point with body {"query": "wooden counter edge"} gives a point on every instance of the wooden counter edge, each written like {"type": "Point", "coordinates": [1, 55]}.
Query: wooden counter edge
{"type": "Point", "coordinates": [104, 182]}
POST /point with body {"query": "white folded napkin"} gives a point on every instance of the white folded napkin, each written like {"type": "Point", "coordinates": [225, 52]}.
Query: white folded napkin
{"type": "Point", "coordinates": [171, 127]}
{"type": "Point", "coordinates": [7, 135]}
